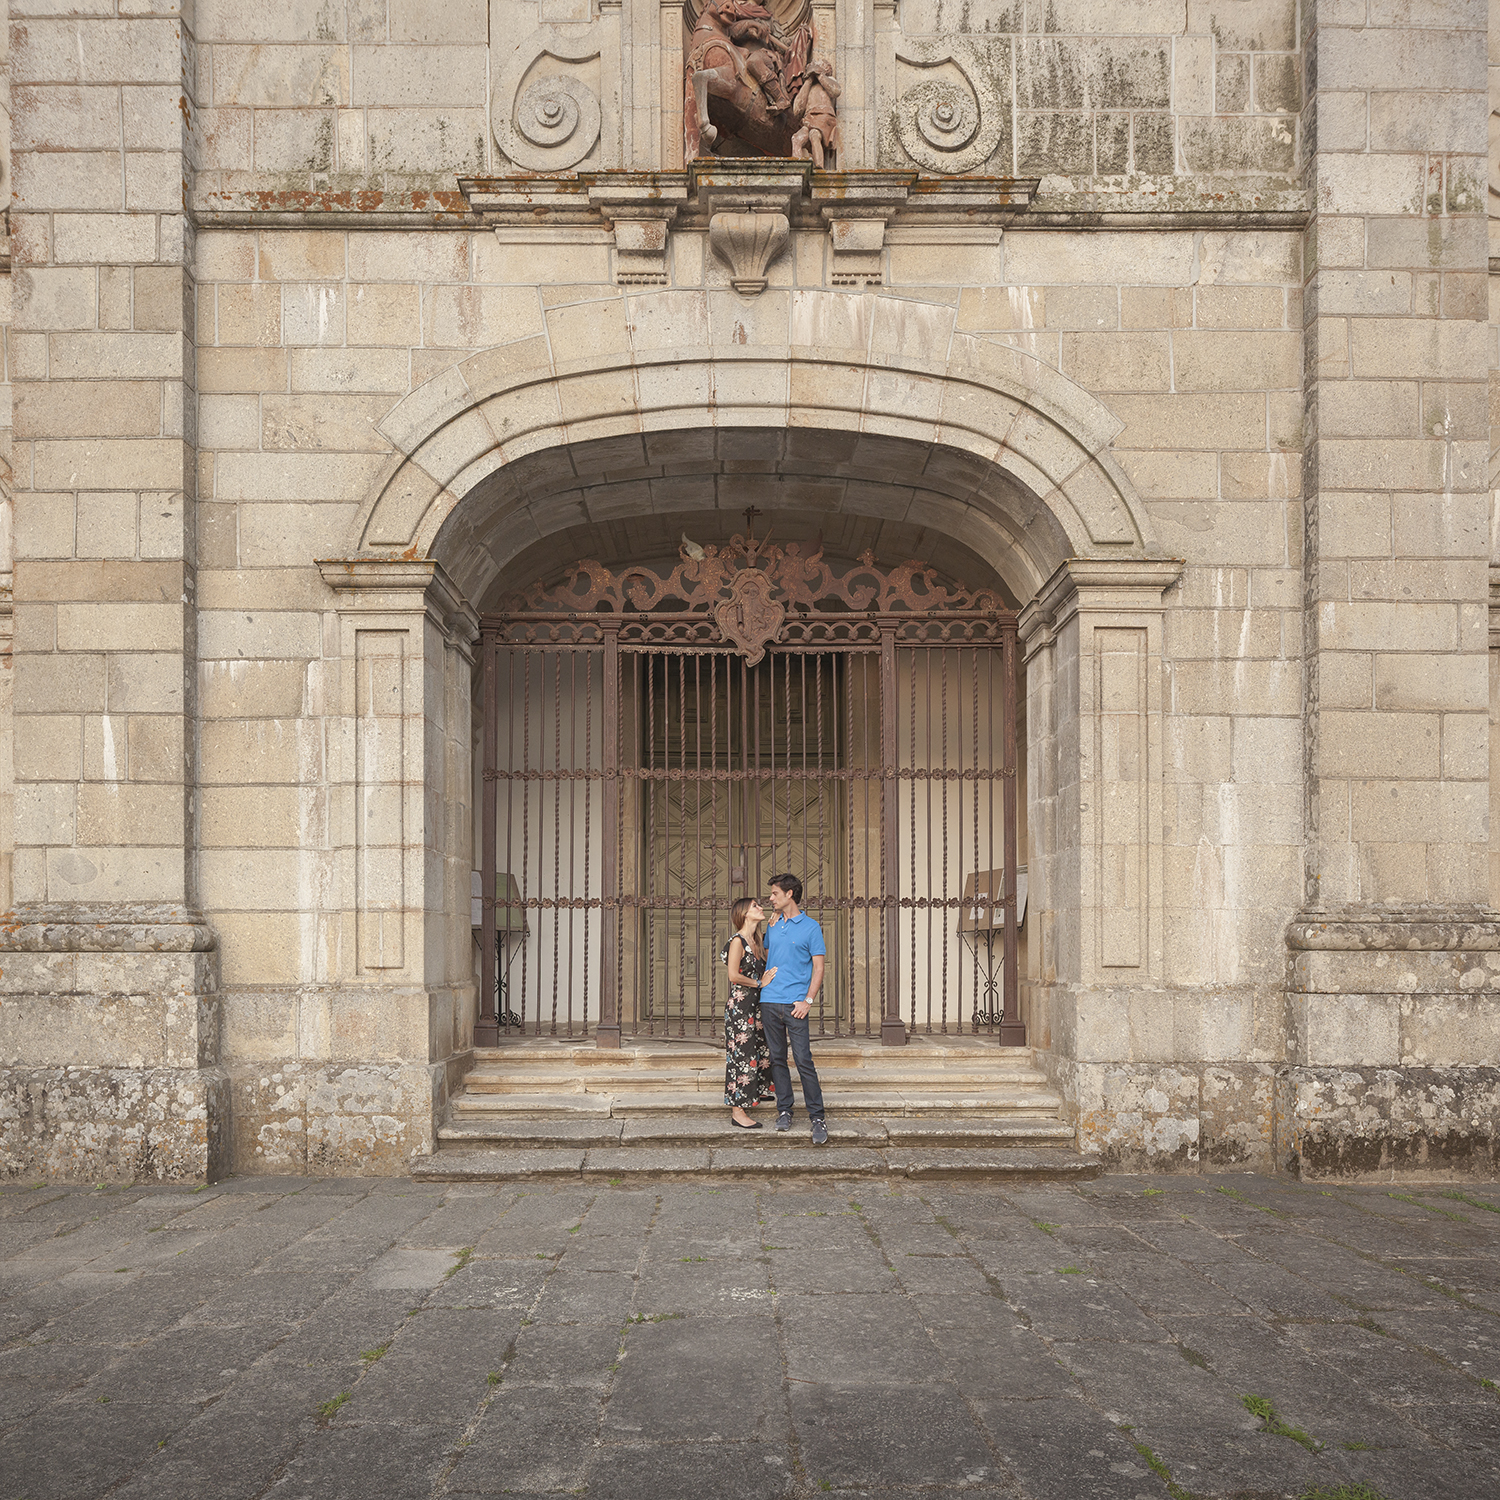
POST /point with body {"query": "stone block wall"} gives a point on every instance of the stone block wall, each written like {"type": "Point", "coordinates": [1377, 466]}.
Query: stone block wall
{"type": "Point", "coordinates": [1252, 277]}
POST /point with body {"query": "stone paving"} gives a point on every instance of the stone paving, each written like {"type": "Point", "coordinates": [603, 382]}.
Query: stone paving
{"type": "Point", "coordinates": [1122, 1338]}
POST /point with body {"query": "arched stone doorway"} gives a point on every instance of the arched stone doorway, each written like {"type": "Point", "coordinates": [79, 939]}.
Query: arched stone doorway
{"type": "Point", "coordinates": [828, 413]}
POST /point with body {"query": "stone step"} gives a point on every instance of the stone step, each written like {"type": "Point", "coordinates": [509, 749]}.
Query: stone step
{"type": "Point", "coordinates": [1035, 1102]}
{"type": "Point", "coordinates": [830, 1052]}
{"type": "Point", "coordinates": [566, 1081]}
{"type": "Point", "coordinates": [606, 1164]}
{"type": "Point", "coordinates": [656, 1131]}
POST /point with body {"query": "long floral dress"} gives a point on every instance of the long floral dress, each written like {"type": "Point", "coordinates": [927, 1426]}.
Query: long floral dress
{"type": "Point", "coordinates": [747, 1059]}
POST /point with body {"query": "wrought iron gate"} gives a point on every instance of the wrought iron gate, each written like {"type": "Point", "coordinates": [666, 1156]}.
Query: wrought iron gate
{"type": "Point", "coordinates": [656, 746]}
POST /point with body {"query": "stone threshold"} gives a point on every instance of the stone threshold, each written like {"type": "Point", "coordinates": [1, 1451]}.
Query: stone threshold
{"type": "Point", "coordinates": [648, 1051]}
{"type": "Point", "coordinates": [616, 1165]}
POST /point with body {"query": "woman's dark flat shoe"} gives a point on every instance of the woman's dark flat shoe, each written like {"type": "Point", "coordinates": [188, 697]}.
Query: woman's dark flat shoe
{"type": "Point", "coordinates": [753, 1125]}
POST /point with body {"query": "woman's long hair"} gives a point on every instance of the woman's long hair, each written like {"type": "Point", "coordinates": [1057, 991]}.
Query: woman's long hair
{"type": "Point", "coordinates": [737, 914]}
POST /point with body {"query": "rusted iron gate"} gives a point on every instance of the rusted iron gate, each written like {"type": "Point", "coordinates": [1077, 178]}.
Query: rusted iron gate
{"type": "Point", "coordinates": [657, 745]}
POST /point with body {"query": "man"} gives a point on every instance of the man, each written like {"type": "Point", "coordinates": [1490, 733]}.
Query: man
{"type": "Point", "coordinates": [795, 949]}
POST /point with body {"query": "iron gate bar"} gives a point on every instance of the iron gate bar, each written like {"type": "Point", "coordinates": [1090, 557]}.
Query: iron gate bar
{"type": "Point", "coordinates": [611, 955]}
{"type": "Point", "coordinates": [487, 1022]}
{"type": "Point", "coordinates": [1012, 1028]}
{"type": "Point", "coordinates": [892, 1029]}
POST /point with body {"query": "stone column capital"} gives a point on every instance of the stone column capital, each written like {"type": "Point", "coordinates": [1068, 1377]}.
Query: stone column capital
{"type": "Point", "coordinates": [381, 585]}
{"type": "Point", "coordinates": [1098, 583]}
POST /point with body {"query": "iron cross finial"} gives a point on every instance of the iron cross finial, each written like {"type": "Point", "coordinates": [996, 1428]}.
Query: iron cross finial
{"type": "Point", "coordinates": [750, 513]}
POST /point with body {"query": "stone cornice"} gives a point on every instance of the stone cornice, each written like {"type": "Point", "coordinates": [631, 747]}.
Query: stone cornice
{"type": "Point", "coordinates": [708, 187]}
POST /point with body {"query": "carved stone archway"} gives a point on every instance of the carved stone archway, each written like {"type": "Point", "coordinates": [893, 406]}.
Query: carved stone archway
{"type": "Point", "coordinates": [997, 444]}
{"type": "Point", "coordinates": [850, 399]}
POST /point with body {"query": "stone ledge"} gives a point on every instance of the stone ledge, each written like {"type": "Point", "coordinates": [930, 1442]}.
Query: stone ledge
{"type": "Point", "coordinates": [70, 927]}
{"type": "Point", "coordinates": [1417, 929]}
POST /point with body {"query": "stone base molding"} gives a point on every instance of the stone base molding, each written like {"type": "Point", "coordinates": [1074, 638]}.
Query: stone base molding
{"type": "Point", "coordinates": [1173, 1116]}
{"type": "Point", "coordinates": [1375, 1122]}
{"type": "Point", "coordinates": [1393, 1036]}
{"type": "Point", "coordinates": [115, 1124]}
{"type": "Point", "coordinates": [1381, 1055]}
{"type": "Point", "coordinates": [109, 1044]}
{"type": "Point", "coordinates": [331, 1117]}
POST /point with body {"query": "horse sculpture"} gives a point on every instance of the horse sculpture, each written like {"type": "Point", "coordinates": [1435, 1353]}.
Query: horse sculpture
{"type": "Point", "coordinates": [741, 80]}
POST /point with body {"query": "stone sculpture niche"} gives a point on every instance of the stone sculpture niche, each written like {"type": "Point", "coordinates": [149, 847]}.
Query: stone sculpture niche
{"type": "Point", "coordinates": [751, 86]}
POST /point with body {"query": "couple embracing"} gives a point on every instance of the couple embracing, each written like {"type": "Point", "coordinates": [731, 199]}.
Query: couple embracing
{"type": "Point", "coordinates": [772, 986]}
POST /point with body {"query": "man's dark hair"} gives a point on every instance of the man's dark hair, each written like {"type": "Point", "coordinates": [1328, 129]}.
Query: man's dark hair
{"type": "Point", "coordinates": [790, 884]}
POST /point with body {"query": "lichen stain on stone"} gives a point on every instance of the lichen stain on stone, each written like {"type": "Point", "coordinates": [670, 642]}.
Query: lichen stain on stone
{"type": "Point", "coordinates": [1343, 1123]}
{"type": "Point", "coordinates": [104, 1124]}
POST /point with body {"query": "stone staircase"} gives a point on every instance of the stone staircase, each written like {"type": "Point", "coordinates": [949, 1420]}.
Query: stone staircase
{"type": "Point", "coordinates": [949, 1106]}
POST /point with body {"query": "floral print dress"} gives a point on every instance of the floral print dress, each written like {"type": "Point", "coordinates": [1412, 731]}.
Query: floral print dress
{"type": "Point", "coordinates": [747, 1059]}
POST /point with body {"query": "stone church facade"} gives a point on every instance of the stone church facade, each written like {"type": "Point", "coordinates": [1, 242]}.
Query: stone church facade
{"type": "Point", "coordinates": [334, 325]}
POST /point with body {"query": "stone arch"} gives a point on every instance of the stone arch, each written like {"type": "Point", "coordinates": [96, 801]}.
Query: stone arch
{"type": "Point", "coordinates": [989, 442]}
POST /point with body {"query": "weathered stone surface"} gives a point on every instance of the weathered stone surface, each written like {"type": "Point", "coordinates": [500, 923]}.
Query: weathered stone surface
{"type": "Point", "coordinates": [1216, 423]}
{"type": "Point", "coordinates": [113, 1124]}
{"type": "Point", "coordinates": [1351, 1122]}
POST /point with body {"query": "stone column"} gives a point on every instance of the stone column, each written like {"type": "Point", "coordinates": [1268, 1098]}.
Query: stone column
{"type": "Point", "coordinates": [1093, 647]}
{"type": "Point", "coordinates": [110, 1022]}
{"type": "Point", "coordinates": [1395, 586]}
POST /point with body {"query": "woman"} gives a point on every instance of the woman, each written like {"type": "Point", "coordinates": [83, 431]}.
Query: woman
{"type": "Point", "coordinates": [747, 1063]}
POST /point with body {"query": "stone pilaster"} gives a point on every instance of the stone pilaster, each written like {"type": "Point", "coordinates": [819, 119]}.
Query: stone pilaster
{"type": "Point", "coordinates": [114, 1069]}
{"type": "Point", "coordinates": [1396, 594]}
{"type": "Point", "coordinates": [1094, 1001]}
{"type": "Point", "coordinates": [347, 1066]}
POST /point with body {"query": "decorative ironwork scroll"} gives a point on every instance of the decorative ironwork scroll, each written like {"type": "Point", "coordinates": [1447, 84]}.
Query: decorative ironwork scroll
{"type": "Point", "coordinates": [751, 589]}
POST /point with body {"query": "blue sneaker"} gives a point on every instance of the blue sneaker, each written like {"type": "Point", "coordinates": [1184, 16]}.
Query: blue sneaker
{"type": "Point", "coordinates": [820, 1133]}
{"type": "Point", "coordinates": [784, 1122]}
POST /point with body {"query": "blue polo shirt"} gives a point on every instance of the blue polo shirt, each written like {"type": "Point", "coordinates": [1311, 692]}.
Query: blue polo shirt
{"type": "Point", "coordinates": [791, 946]}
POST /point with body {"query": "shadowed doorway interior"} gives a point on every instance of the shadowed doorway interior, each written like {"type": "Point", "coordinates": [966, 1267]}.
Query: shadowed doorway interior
{"type": "Point", "coordinates": [660, 741]}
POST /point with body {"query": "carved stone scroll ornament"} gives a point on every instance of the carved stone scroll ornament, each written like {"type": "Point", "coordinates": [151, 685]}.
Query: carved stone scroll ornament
{"type": "Point", "coordinates": [552, 122]}
{"type": "Point", "coordinates": [750, 588]}
{"type": "Point", "coordinates": [941, 124]}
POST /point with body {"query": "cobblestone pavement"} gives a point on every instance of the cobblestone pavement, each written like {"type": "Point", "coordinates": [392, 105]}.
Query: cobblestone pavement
{"type": "Point", "coordinates": [1127, 1337]}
